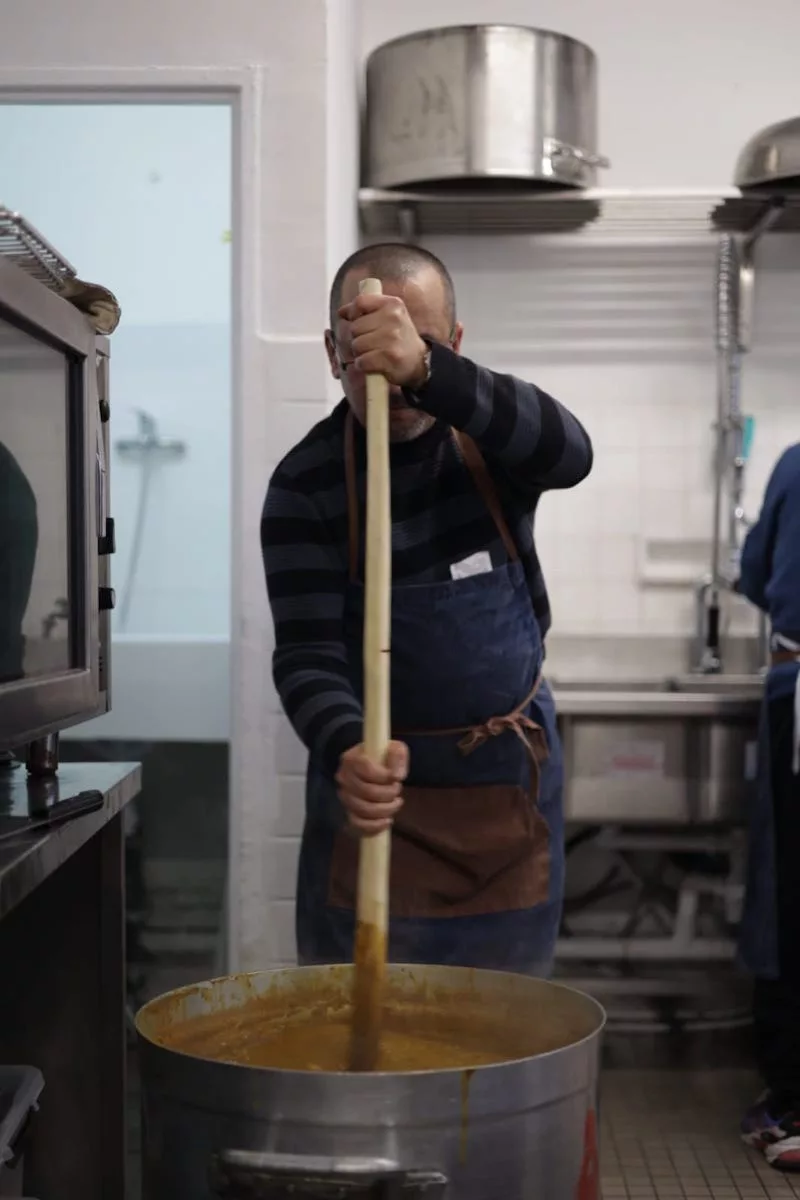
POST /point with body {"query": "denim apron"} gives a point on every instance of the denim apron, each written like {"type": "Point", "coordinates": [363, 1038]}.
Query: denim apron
{"type": "Point", "coordinates": [758, 933]}
{"type": "Point", "coordinates": [477, 860]}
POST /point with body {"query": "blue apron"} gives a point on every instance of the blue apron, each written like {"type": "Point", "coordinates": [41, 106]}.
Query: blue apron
{"type": "Point", "coordinates": [477, 868]}
{"type": "Point", "coordinates": [758, 933]}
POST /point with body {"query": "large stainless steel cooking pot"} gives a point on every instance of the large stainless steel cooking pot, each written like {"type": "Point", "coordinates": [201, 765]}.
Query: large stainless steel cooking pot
{"type": "Point", "coordinates": [473, 104]}
{"type": "Point", "coordinates": [771, 159]}
{"type": "Point", "coordinates": [517, 1130]}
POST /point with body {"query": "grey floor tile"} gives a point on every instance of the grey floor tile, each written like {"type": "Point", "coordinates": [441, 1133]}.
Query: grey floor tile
{"type": "Point", "coordinates": [673, 1135]}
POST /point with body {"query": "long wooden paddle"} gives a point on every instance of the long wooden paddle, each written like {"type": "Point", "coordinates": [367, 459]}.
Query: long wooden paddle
{"type": "Point", "coordinates": [372, 911]}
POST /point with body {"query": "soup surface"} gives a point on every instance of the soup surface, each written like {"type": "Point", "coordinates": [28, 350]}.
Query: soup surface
{"type": "Point", "coordinates": [324, 1046]}
{"type": "Point", "coordinates": [422, 1033]}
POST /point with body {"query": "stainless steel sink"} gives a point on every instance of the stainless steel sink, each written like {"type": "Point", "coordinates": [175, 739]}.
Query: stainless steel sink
{"type": "Point", "coordinates": [673, 750]}
{"type": "Point", "coordinates": [609, 685]}
{"type": "Point", "coordinates": [698, 695]}
{"type": "Point", "coordinates": [725, 684]}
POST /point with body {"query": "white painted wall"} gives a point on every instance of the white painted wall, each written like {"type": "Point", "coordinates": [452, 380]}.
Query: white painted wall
{"type": "Point", "coordinates": [342, 133]}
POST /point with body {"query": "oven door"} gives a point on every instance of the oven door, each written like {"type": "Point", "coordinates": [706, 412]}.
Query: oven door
{"type": "Point", "coordinates": [50, 508]}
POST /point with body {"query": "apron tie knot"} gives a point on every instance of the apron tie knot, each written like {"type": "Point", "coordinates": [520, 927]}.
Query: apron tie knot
{"type": "Point", "coordinates": [530, 734]}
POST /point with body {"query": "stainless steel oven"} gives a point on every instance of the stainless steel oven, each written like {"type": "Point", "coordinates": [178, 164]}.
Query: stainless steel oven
{"type": "Point", "coordinates": [56, 533]}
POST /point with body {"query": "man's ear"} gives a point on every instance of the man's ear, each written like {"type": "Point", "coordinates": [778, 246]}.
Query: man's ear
{"type": "Point", "coordinates": [458, 334]}
{"type": "Point", "coordinates": [333, 357]}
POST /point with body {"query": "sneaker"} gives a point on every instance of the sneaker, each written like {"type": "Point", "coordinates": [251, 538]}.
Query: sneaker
{"type": "Point", "coordinates": [773, 1132]}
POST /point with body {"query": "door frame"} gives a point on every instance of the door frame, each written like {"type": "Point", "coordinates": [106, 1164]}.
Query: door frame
{"type": "Point", "coordinates": [243, 90]}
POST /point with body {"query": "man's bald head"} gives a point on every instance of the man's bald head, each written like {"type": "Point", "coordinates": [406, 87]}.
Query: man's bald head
{"type": "Point", "coordinates": [393, 261]}
{"type": "Point", "coordinates": [423, 284]}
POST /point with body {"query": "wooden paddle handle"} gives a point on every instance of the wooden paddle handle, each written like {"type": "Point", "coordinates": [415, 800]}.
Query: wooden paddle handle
{"type": "Point", "coordinates": [373, 874]}
{"type": "Point", "coordinates": [372, 906]}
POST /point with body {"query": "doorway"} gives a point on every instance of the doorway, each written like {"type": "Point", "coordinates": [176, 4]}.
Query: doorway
{"type": "Point", "coordinates": [138, 196]}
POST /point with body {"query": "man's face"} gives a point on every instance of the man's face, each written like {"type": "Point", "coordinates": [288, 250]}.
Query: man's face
{"type": "Point", "coordinates": [424, 296]}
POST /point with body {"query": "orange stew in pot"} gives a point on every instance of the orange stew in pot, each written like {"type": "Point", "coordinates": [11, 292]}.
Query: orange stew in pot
{"type": "Point", "coordinates": [313, 1033]}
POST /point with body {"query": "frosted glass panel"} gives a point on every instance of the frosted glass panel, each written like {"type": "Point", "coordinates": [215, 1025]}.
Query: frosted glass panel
{"type": "Point", "coordinates": [138, 198]}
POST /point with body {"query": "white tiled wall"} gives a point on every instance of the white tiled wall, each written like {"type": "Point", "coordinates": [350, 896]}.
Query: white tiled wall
{"type": "Point", "coordinates": [628, 346]}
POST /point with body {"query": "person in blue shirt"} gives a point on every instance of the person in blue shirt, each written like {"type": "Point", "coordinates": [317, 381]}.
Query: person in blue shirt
{"type": "Point", "coordinates": [770, 932]}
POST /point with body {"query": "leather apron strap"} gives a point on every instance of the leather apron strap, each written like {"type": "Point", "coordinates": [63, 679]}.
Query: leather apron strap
{"type": "Point", "coordinates": [476, 465]}
{"type": "Point", "coordinates": [473, 461]}
{"type": "Point", "coordinates": [529, 732]}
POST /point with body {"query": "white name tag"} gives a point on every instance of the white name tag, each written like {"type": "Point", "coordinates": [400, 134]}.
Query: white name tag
{"type": "Point", "coordinates": [476, 564]}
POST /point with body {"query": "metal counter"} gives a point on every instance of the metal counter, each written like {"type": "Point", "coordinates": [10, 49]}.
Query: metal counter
{"type": "Point", "coordinates": [62, 959]}
{"type": "Point", "coordinates": [26, 862]}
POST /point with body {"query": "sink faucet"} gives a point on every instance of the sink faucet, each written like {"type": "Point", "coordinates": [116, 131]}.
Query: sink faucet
{"type": "Point", "coordinates": [148, 440]}
{"type": "Point", "coordinates": [59, 613]}
{"type": "Point", "coordinates": [733, 438]}
{"type": "Point", "coordinates": [708, 660]}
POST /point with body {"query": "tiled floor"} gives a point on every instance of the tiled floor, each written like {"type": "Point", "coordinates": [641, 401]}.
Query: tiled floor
{"type": "Point", "coordinates": [672, 1135]}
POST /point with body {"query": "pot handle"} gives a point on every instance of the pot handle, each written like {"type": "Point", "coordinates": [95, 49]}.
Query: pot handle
{"type": "Point", "coordinates": [257, 1175]}
{"type": "Point", "coordinates": [556, 149]}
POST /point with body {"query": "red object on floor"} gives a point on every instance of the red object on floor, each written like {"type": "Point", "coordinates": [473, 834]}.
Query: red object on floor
{"type": "Point", "coordinates": [589, 1182]}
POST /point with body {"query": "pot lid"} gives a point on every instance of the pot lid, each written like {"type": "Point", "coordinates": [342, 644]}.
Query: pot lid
{"type": "Point", "coordinates": [771, 159]}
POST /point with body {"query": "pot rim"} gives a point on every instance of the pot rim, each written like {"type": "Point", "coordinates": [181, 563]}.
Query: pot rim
{"type": "Point", "coordinates": [420, 35]}
{"type": "Point", "coordinates": [451, 1072]}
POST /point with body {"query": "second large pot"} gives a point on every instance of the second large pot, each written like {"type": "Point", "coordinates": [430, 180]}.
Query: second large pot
{"type": "Point", "coordinates": [478, 104]}
{"type": "Point", "coordinates": [514, 1130]}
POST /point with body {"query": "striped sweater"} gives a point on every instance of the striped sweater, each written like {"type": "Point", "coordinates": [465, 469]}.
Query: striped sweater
{"type": "Point", "coordinates": [530, 443]}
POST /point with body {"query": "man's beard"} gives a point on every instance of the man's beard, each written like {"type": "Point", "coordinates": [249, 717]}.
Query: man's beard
{"type": "Point", "coordinates": [407, 423]}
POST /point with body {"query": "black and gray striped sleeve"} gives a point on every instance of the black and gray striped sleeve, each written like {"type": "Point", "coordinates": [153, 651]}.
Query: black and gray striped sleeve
{"type": "Point", "coordinates": [306, 587]}
{"type": "Point", "coordinates": [538, 442]}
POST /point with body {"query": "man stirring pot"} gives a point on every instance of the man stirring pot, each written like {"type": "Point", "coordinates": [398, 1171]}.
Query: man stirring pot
{"type": "Point", "coordinates": [472, 783]}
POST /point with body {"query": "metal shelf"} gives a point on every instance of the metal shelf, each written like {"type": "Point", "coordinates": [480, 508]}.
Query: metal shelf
{"type": "Point", "coordinates": [24, 246]}
{"type": "Point", "coordinates": [635, 217]}
{"type": "Point", "coordinates": [757, 213]}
